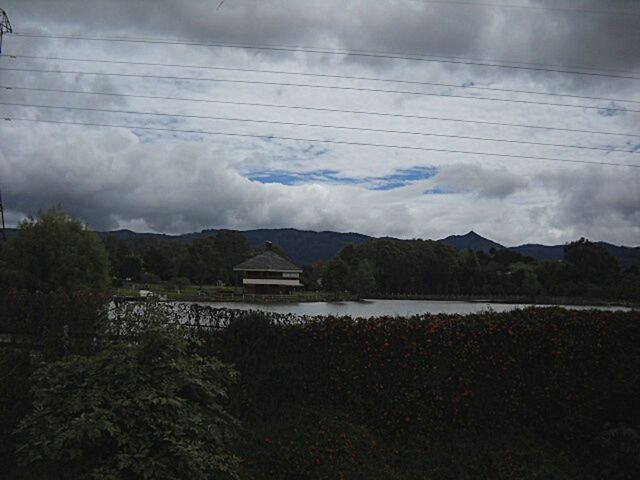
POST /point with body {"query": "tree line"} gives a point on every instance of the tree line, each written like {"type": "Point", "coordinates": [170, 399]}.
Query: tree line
{"type": "Point", "coordinates": [419, 267]}
{"type": "Point", "coordinates": [208, 260]}
{"type": "Point", "coordinates": [54, 250]}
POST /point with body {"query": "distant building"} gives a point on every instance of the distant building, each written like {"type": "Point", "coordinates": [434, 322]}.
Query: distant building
{"type": "Point", "coordinates": [269, 274]}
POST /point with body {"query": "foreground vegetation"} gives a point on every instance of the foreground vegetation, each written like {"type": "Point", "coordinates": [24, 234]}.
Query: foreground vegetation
{"type": "Point", "coordinates": [94, 390]}
{"type": "Point", "coordinates": [538, 393]}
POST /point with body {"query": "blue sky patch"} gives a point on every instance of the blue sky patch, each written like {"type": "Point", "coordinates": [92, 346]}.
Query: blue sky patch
{"type": "Point", "coordinates": [441, 191]}
{"type": "Point", "coordinates": [635, 147]}
{"type": "Point", "coordinates": [612, 110]}
{"type": "Point", "coordinates": [296, 178]}
{"type": "Point", "coordinates": [402, 178]}
{"type": "Point", "coordinates": [398, 179]}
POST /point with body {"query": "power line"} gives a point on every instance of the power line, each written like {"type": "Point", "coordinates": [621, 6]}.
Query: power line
{"type": "Point", "coordinates": [525, 7]}
{"type": "Point", "coordinates": [316, 75]}
{"type": "Point", "coordinates": [311, 85]}
{"type": "Point", "coordinates": [316, 125]}
{"type": "Point", "coordinates": [315, 109]}
{"type": "Point", "coordinates": [315, 140]}
{"type": "Point", "coordinates": [327, 51]}
{"type": "Point", "coordinates": [412, 56]}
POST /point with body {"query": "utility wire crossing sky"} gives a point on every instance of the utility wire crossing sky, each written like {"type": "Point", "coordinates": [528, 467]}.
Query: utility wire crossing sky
{"type": "Point", "coordinates": [414, 119]}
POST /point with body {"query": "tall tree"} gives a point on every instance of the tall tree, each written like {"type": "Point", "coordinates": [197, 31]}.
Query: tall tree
{"type": "Point", "coordinates": [56, 251]}
{"type": "Point", "coordinates": [233, 248]}
{"type": "Point", "coordinates": [161, 258]}
{"type": "Point", "coordinates": [202, 263]}
{"type": "Point", "coordinates": [131, 267]}
{"type": "Point", "coordinates": [117, 250]}
{"type": "Point", "coordinates": [362, 281]}
{"type": "Point", "coordinates": [590, 261]}
{"type": "Point", "coordinates": [335, 276]}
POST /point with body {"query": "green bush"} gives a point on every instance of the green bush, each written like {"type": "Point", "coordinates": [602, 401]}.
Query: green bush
{"type": "Point", "coordinates": [617, 454]}
{"type": "Point", "coordinates": [524, 394]}
{"type": "Point", "coordinates": [560, 372]}
{"type": "Point", "coordinates": [15, 369]}
{"type": "Point", "coordinates": [144, 407]}
{"type": "Point", "coordinates": [55, 323]}
{"type": "Point", "coordinates": [309, 444]}
{"type": "Point", "coordinates": [322, 444]}
{"type": "Point", "coordinates": [55, 251]}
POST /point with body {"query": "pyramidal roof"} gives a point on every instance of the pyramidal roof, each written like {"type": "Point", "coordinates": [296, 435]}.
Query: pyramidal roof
{"type": "Point", "coordinates": [268, 261]}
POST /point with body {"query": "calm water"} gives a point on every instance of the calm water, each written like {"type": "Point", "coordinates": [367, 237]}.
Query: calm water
{"type": "Point", "coordinates": [377, 308]}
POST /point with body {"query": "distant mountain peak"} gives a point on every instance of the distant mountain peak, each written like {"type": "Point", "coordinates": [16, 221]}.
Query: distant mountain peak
{"type": "Point", "coordinates": [305, 246]}
{"type": "Point", "coordinates": [471, 241]}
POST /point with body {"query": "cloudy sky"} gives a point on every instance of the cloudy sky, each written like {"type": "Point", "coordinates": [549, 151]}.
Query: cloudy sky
{"type": "Point", "coordinates": [407, 118]}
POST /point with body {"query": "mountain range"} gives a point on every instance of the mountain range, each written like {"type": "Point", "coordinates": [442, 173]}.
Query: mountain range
{"type": "Point", "coordinates": [626, 256]}
{"type": "Point", "coordinates": [305, 247]}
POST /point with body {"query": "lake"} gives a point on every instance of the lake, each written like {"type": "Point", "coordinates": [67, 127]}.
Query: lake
{"type": "Point", "coordinates": [379, 308]}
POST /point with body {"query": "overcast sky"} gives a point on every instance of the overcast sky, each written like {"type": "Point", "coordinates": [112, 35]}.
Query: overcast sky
{"type": "Point", "coordinates": [175, 182]}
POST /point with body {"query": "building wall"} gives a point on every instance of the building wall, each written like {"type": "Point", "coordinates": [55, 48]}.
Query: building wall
{"type": "Point", "coordinates": [268, 289]}
{"type": "Point", "coordinates": [270, 283]}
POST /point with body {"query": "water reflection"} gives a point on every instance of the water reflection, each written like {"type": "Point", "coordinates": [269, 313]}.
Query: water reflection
{"type": "Point", "coordinates": [378, 308]}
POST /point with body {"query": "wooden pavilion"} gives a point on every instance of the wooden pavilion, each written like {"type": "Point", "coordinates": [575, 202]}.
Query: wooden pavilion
{"type": "Point", "coordinates": [269, 274]}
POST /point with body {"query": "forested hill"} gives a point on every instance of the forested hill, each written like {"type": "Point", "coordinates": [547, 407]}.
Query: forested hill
{"type": "Point", "coordinates": [302, 246]}
{"type": "Point", "coordinates": [626, 256]}
{"type": "Point", "coordinates": [305, 247]}
{"type": "Point", "coordinates": [471, 241]}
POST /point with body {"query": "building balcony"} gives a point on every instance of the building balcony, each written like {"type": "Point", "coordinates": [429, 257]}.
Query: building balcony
{"type": "Point", "coordinates": [272, 281]}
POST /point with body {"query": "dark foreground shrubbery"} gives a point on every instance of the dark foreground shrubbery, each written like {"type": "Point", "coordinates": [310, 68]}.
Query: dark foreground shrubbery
{"type": "Point", "coordinates": [539, 380]}
{"type": "Point", "coordinates": [142, 404]}
{"type": "Point", "coordinates": [559, 372]}
{"type": "Point", "coordinates": [142, 409]}
{"type": "Point", "coordinates": [530, 394]}
{"type": "Point", "coordinates": [56, 324]}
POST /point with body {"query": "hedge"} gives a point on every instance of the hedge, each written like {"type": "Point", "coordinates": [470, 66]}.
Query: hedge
{"type": "Point", "coordinates": [559, 372]}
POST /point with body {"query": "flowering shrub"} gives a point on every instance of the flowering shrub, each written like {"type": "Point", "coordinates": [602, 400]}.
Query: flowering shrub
{"type": "Point", "coordinates": [559, 372]}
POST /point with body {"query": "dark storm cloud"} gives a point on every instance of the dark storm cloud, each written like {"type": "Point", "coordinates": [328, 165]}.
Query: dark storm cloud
{"type": "Point", "coordinates": [564, 39]}
{"type": "Point", "coordinates": [561, 37]}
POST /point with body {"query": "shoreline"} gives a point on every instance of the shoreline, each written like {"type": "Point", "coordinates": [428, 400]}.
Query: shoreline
{"type": "Point", "coordinates": [337, 298]}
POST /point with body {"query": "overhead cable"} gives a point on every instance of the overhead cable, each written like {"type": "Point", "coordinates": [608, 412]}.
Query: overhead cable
{"type": "Point", "coordinates": [311, 108]}
{"type": "Point", "coordinates": [316, 125]}
{"type": "Point", "coordinates": [316, 140]}
{"type": "Point", "coordinates": [311, 85]}
{"type": "Point", "coordinates": [469, 86]}
{"type": "Point", "coordinates": [327, 51]}
{"type": "Point", "coordinates": [526, 7]}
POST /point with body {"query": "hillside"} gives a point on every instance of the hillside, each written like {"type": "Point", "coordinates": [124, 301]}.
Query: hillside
{"type": "Point", "coordinates": [626, 256]}
{"type": "Point", "coordinates": [302, 246]}
{"type": "Point", "coordinates": [305, 247]}
{"type": "Point", "coordinates": [471, 241]}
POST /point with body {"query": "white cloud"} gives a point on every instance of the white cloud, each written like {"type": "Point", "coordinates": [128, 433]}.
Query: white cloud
{"type": "Point", "coordinates": [176, 182]}
{"type": "Point", "coordinates": [484, 182]}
